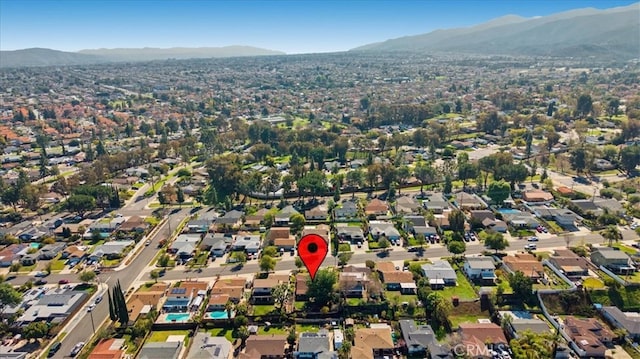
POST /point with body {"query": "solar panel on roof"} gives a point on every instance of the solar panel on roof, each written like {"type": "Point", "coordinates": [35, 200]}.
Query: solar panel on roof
{"type": "Point", "coordinates": [178, 290]}
{"type": "Point", "coordinates": [216, 352]}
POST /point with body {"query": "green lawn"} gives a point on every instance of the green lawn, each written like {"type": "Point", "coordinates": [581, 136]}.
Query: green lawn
{"type": "Point", "coordinates": [628, 250]}
{"type": "Point", "coordinates": [111, 262]}
{"type": "Point", "coordinates": [593, 283]}
{"type": "Point", "coordinates": [344, 247]}
{"type": "Point", "coordinates": [57, 265]}
{"type": "Point", "coordinates": [223, 332]}
{"type": "Point", "coordinates": [464, 290]}
{"type": "Point", "coordinates": [355, 301]}
{"type": "Point", "coordinates": [456, 320]}
{"type": "Point", "coordinates": [307, 328]}
{"type": "Point", "coordinates": [163, 335]}
{"type": "Point", "coordinates": [299, 305]}
{"type": "Point", "coordinates": [263, 309]}
{"type": "Point", "coordinates": [26, 269]}
{"type": "Point", "coordinates": [401, 297]}
{"type": "Point", "coordinates": [272, 330]}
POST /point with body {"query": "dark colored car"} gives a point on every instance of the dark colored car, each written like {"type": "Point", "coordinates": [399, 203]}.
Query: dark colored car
{"type": "Point", "coordinates": [63, 281]}
{"type": "Point", "coordinates": [53, 349]}
{"type": "Point", "coordinates": [40, 282]}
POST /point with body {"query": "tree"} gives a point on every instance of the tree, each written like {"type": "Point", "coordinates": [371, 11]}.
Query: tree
{"type": "Point", "coordinates": [112, 309]}
{"type": "Point", "coordinates": [163, 260]}
{"type": "Point", "coordinates": [630, 158]}
{"type": "Point", "coordinates": [343, 258]}
{"type": "Point", "coordinates": [498, 191]}
{"type": "Point", "coordinates": [9, 296]}
{"type": "Point", "coordinates": [467, 171]}
{"type": "Point", "coordinates": [228, 307]}
{"type": "Point", "coordinates": [424, 173]}
{"type": "Point", "coordinates": [280, 294]}
{"type": "Point", "coordinates": [322, 288]}
{"type": "Point", "coordinates": [155, 274]}
{"type": "Point", "coordinates": [439, 307]}
{"type": "Point", "coordinates": [297, 223]}
{"type": "Point", "coordinates": [298, 262]}
{"type": "Point", "coordinates": [87, 276]}
{"type": "Point", "coordinates": [35, 330]}
{"type": "Point", "coordinates": [612, 234]}
{"type": "Point", "coordinates": [456, 247]}
{"type": "Point", "coordinates": [384, 243]}
{"type": "Point", "coordinates": [495, 241]}
{"type": "Point", "coordinates": [239, 257]}
{"type": "Point", "coordinates": [243, 334]}
{"type": "Point", "coordinates": [370, 264]}
{"type": "Point", "coordinates": [267, 263]}
{"type": "Point", "coordinates": [291, 337]}
{"type": "Point", "coordinates": [578, 159]}
{"type": "Point", "coordinates": [584, 105]}
{"type": "Point", "coordinates": [522, 286]}
{"type": "Point", "coordinates": [448, 186]}
{"type": "Point", "coordinates": [533, 345]}
{"type": "Point", "coordinates": [120, 305]}
{"type": "Point", "coordinates": [456, 221]}
{"type": "Point", "coordinates": [180, 196]}
{"type": "Point", "coordinates": [80, 204]}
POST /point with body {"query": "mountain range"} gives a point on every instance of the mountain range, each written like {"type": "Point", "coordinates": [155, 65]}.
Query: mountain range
{"type": "Point", "coordinates": [610, 33]}
{"type": "Point", "coordinates": [606, 34]}
{"type": "Point", "coordinates": [48, 57]}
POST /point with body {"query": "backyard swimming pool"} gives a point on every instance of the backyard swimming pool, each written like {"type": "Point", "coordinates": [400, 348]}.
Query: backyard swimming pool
{"type": "Point", "coordinates": [34, 245]}
{"type": "Point", "coordinates": [219, 314]}
{"type": "Point", "coordinates": [508, 211]}
{"type": "Point", "coordinates": [177, 317]}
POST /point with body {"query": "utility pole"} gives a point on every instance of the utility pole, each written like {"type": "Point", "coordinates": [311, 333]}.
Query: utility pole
{"type": "Point", "coordinates": [92, 325]}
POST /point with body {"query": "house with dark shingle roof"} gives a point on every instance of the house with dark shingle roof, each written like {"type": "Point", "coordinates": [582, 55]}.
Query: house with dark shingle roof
{"type": "Point", "coordinates": [420, 341]}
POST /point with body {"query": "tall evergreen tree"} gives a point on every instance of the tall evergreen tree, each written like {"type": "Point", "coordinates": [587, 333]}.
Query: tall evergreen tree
{"type": "Point", "coordinates": [112, 312]}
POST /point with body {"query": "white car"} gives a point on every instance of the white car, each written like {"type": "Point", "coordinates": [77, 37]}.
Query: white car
{"type": "Point", "coordinates": [76, 349]}
{"type": "Point", "coordinates": [530, 246]}
{"type": "Point", "coordinates": [90, 308]}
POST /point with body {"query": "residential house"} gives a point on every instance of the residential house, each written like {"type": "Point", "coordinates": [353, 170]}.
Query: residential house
{"type": "Point", "coordinates": [302, 286]}
{"type": "Point", "coordinates": [282, 238]}
{"type": "Point", "coordinates": [351, 234]}
{"type": "Point", "coordinates": [198, 226]}
{"type": "Point", "coordinates": [164, 350]}
{"type": "Point", "coordinates": [188, 296]}
{"type": "Point", "coordinates": [347, 212]}
{"type": "Point", "coordinates": [184, 245]}
{"type": "Point", "coordinates": [261, 292]}
{"type": "Point", "coordinates": [29, 259]}
{"type": "Point", "coordinates": [373, 343]}
{"type": "Point", "coordinates": [110, 250]}
{"type": "Point", "coordinates": [613, 259]}
{"type": "Point", "coordinates": [318, 213]}
{"type": "Point", "coordinates": [537, 197]}
{"type": "Point", "coordinates": [53, 306]}
{"type": "Point", "coordinates": [570, 264]}
{"type": "Point", "coordinates": [520, 322]}
{"type": "Point", "coordinates": [628, 321]}
{"type": "Point", "coordinates": [73, 252]}
{"type": "Point", "coordinates": [353, 284]}
{"type": "Point", "coordinates": [255, 220]}
{"type": "Point", "coordinates": [246, 242]}
{"type": "Point", "coordinates": [477, 217]}
{"type": "Point", "coordinates": [480, 335]}
{"type": "Point", "coordinates": [400, 280]}
{"type": "Point", "coordinates": [589, 336]}
{"type": "Point", "coordinates": [134, 224]}
{"type": "Point", "coordinates": [435, 202]}
{"type": "Point", "coordinates": [386, 229]}
{"type": "Point", "coordinates": [411, 222]}
{"type": "Point", "coordinates": [525, 263]}
{"type": "Point", "coordinates": [420, 341]}
{"type": "Point", "coordinates": [217, 243]}
{"type": "Point", "coordinates": [205, 346]}
{"type": "Point", "coordinates": [519, 219]}
{"type": "Point", "coordinates": [13, 253]}
{"type": "Point", "coordinates": [598, 205]}
{"type": "Point", "coordinates": [283, 217]}
{"type": "Point", "coordinates": [440, 274]}
{"type": "Point", "coordinates": [376, 208]}
{"type": "Point", "coordinates": [564, 217]}
{"type": "Point", "coordinates": [108, 349]}
{"type": "Point", "coordinates": [315, 346]}
{"type": "Point", "coordinates": [50, 251]}
{"type": "Point", "coordinates": [321, 230]}
{"type": "Point", "coordinates": [407, 205]}
{"type": "Point", "coordinates": [231, 219]}
{"type": "Point", "coordinates": [264, 347]}
{"type": "Point", "coordinates": [466, 201]}
{"type": "Point", "coordinates": [33, 234]}
{"type": "Point", "coordinates": [233, 287]}
{"type": "Point", "coordinates": [480, 269]}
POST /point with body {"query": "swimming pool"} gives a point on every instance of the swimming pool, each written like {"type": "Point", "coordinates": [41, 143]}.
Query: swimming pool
{"type": "Point", "coordinates": [177, 317]}
{"type": "Point", "coordinates": [219, 314]}
{"type": "Point", "coordinates": [508, 211]}
{"type": "Point", "coordinates": [34, 245]}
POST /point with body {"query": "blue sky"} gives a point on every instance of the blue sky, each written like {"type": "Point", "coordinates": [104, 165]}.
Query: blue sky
{"type": "Point", "coordinates": [289, 26]}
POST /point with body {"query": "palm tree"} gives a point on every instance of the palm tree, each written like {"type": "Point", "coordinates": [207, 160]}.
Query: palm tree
{"type": "Point", "coordinates": [228, 307]}
{"type": "Point", "coordinates": [612, 234]}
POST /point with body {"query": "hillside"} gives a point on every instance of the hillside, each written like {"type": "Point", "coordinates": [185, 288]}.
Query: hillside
{"type": "Point", "coordinates": [582, 32]}
{"type": "Point", "coordinates": [48, 57]}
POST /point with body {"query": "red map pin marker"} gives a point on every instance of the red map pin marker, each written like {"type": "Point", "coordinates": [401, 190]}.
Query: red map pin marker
{"type": "Point", "coordinates": [312, 249]}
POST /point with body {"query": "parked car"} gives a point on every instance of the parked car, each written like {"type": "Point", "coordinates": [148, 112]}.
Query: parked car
{"type": "Point", "coordinates": [40, 281]}
{"type": "Point", "coordinates": [533, 239]}
{"type": "Point", "coordinates": [99, 299]}
{"type": "Point", "coordinates": [147, 243]}
{"type": "Point", "coordinates": [41, 274]}
{"type": "Point", "coordinates": [91, 307]}
{"type": "Point", "coordinates": [76, 349]}
{"type": "Point", "coordinates": [530, 246]}
{"type": "Point", "coordinates": [53, 349]}
{"type": "Point", "coordinates": [63, 281]}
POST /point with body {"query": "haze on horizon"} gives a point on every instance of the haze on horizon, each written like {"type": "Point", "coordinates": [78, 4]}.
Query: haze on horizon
{"type": "Point", "coordinates": [289, 26]}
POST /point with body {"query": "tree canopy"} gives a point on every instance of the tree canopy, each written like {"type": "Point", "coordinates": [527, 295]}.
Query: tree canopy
{"type": "Point", "coordinates": [322, 288]}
